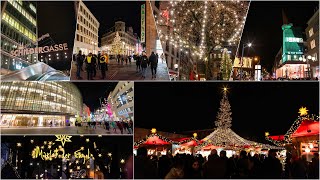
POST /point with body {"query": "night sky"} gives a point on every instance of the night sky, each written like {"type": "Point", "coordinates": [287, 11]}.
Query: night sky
{"type": "Point", "coordinates": [92, 91]}
{"type": "Point", "coordinates": [256, 107]}
{"type": "Point", "coordinates": [107, 12]}
{"type": "Point", "coordinates": [263, 26]}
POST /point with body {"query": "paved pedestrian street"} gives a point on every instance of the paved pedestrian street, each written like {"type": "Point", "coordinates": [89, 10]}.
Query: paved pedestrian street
{"type": "Point", "coordinates": [59, 130]}
{"type": "Point", "coordinates": [124, 72]}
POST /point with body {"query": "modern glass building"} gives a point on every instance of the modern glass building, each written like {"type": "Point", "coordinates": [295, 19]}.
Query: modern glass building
{"type": "Point", "coordinates": [18, 31]}
{"type": "Point", "coordinates": [121, 99]}
{"type": "Point", "coordinates": [39, 104]}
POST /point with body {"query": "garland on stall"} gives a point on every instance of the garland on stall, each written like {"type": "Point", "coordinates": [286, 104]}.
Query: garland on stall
{"type": "Point", "coordinates": [187, 140]}
{"type": "Point", "coordinates": [152, 135]}
{"type": "Point", "coordinates": [293, 129]}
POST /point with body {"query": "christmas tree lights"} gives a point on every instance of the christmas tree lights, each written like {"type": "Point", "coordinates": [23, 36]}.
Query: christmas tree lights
{"type": "Point", "coordinates": [200, 26]}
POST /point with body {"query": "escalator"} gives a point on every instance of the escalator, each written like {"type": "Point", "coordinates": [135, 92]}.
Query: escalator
{"type": "Point", "coordinates": [36, 72]}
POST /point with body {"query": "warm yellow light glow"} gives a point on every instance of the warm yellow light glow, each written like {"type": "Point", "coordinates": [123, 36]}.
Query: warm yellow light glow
{"type": "Point", "coordinates": [19, 145]}
{"type": "Point", "coordinates": [122, 161]}
{"type": "Point", "coordinates": [31, 141]}
{"type": "Point", "coordinates": [110, 154]}
{"type": "Point", "coordinates": [63, 139]}
{"type": "Point", "coordinates": [153, 130]}
{"type": "Point", "coordinates": [266, 134]}
{"type": "Point", "coordinates": [100, 155]}
{"type": "Point", "coordinates": [307, 150]}
{"type": "Point", "coordinates": [195, 135]}
{"type": "Point", "coordinates": [303, 111]}
{"type": "Point", "coordinates": [87, 140]}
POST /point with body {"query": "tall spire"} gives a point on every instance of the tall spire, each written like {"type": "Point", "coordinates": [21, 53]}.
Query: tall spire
{"type": "Point", "coordinates": [284, 18]}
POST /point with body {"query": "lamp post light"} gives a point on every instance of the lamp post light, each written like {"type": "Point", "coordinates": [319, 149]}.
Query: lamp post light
{"type": "Point", "coordinates": [243, 46]}
{"type": "Point", "coordinates": [176, 67]}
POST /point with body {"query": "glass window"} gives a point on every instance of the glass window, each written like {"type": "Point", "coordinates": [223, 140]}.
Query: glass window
{"type": "Point", "coordinates": [313, 44]}
{"type": "Point", "coordinates": [310, 32]}
{"type": "Point", "coordinates": [289, 57]}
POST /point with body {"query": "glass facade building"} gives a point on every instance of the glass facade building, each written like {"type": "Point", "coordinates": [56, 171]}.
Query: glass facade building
{"type": "Point", "coordinates": [39, 103]}
{"type": "Point", "coordinates": [122, 100]}
{"type": "Point", "coordinates": [18, 31]}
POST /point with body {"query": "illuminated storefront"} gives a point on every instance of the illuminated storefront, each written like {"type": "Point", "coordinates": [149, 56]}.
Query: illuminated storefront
{"type": "Point", "coordinates": [293, 63]}
{"type": "Point", "coordinates": [18, 31]}
{"type": "Point", "coordinates": [39, 104]}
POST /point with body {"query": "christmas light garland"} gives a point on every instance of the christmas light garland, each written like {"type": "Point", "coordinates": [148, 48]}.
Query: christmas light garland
{"type": "Point", "coordinates": [199, 26]}
{"type": "Point", "coordinates": [293, 129]}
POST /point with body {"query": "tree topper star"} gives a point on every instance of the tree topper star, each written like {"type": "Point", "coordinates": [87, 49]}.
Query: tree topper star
{"type": "Point", "coordinates": [63, 139]}
{"type": "Point", "coordinates": [303, 111]}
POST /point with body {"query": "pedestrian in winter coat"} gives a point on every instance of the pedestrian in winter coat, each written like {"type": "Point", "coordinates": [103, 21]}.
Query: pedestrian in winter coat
{"type": "Point", "coordinates": [138, 63]}
{"type": "Point", "coordinates": [90, 66]}
{"type": "Point", "coordinates": [79, 61]}
{"type": "Point", "coordinates": [153, 59]}
{"type": "Point", "coordinates": [120, 127]}
{"type": "Point", "coordinates": [144, 64]}
{"type": "Point", "coordinates": [271, 166]}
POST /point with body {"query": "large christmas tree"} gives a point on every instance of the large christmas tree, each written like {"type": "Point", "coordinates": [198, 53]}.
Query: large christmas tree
{"type": "Point", "coordinates": [225, 65]}
{"type": "Point", "coordinates": [117, 45]}
{"type": "Point", "coordinates": [224, 115]}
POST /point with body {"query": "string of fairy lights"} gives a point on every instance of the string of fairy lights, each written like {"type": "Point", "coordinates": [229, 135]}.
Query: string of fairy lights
{"type": "Point", "coordinates": [304, 116]}
{"type": "Point", "coordinates": [199, 26]}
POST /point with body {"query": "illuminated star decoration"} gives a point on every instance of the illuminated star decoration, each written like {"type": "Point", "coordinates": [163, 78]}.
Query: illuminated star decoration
{"type": "Point", "coordinates": [303, 111]}
{"type": "Point", "coordinates": [63, 139]}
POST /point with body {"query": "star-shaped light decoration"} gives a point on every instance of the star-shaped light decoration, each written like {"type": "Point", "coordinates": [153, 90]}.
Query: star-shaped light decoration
{"type": "Point", "coordinates": [122, 161]}
{"type": "Point", "coordinates": [31, 141]}
{"type": "Point", "coordinates": [63, 139]}
{"type": "Point", "coordinates": [82, 148]}
{"type": "Point", "coordinates": [100, 155]}
{"type": "Point", "coordinates": [303, 111]}
{"type": "Point", "coordinates": [110, 154]}
{"type": "Point", "coordinates": [19, 145]}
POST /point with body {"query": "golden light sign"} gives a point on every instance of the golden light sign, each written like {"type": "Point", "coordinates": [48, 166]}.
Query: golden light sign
{"type": "Point", "coordinates": [60, 153]}
{"type": "Point", "coordinates": [266, 133]}
{"type": "Point", "coordinates": [153, 130]}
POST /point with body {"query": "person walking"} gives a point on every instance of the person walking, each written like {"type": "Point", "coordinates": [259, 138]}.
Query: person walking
{"type": "Point", "coordinates": [126, 58]}
{"type": "Point", "coordinates": [120, 127]}
{"type": "Point", "coordinates": [95, 59]}
{"type": "Point", "coordinates": [79, 61]}
{"type": "Point", "coordinates": [144, 64]}
{"type": "Point", "coordinates": [138, 63]}
{"type": "Point", "coordinates": [162, 58]}
{"type": "Point", "coordinates": [153, 59]}
{"type": "Point", "coordinates": [104, 60]}
{"type": "Point", "coordinates": [118, 58]}
{"type": "Point", "coordinates": [89, 66]}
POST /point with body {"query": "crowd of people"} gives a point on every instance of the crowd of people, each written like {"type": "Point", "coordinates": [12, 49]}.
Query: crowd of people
{"type": "Point", "coordinates": [111, 126]}
{"type": "Point", "coordinates": [100, 62]}
{"type": "Point", "coordinates": [244, 166]}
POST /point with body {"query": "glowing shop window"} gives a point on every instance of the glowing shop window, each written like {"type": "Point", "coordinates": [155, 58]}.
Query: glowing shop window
{"type": "Point", "coordinates": [289, 57]}
{"type": "Point", "coordinates": [33, 8]}
{"type": "Point", "coordinates": [293, 39]}
{"type": "Point", "coordinates": [313, 44]}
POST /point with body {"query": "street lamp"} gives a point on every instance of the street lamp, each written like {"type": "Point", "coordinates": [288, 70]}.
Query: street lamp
{"type": "Point", "coordinates": [243, 46]}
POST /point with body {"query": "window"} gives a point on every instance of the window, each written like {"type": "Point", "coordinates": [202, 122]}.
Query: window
{"type": "Point", "coordinates": [310, 32]}
{"type": "Point", "coordinates": [313, 44]}
{"type": "Point", "coordinates": [289, 57]}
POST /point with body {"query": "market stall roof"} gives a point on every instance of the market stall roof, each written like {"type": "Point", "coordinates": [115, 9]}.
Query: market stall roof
{"type": "Point", "coordinates": [186, 141]}
{"type": "Point", "coordinates": [154, 139]}
{"type": "Point", "coordinates": [228, 138]}
{"type": "Point", "coordinates": [304, 126]}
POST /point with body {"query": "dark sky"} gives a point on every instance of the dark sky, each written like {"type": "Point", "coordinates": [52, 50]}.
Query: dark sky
{"type": "Point", "coordinates": [107, 12]}
{"type": "Point", "coordinates": [263, 26]}
{"type": "Point", "coordinates": [256, 107]}
{"type": "Point", "coordinates": [92, 91]}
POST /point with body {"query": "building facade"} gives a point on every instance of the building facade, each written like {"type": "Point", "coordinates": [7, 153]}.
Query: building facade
{"type": "Point", "coordinates": [129, 39]}
{"type": "Point", "coordinates": [86, 37]}
{"type": "Point", "coordinates": [292, 64]}
{"type": "Point", "coordinates": [121, 100]}
{"type": "Point", "coordinates": [39, 104]}
{"type": "Point", "coordinates": [18, 31]}
{"type": "Point", "coordinates": [172, 54]}
{"type": "Point", "coordinates": [312, 32]}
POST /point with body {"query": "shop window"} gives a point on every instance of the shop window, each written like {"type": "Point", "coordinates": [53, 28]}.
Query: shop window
{"type": "Point", "coordinates": [289, 57]}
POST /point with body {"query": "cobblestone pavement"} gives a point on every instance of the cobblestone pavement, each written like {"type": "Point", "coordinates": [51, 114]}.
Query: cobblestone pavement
{"type": "Point", "coordinates": [124, 72]}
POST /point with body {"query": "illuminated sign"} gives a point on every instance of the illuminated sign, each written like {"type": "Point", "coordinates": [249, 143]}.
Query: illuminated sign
{"type": "Point", "coordinates": [60, 151]}
{"type": "Point", "coordinates": [246, 62]}
{"type": "Point", "coordinates": [40, 50]}
{"type": "Point", "coordinates": [143, 23]}
{"type": "Point", "coordinates": [294, 39]}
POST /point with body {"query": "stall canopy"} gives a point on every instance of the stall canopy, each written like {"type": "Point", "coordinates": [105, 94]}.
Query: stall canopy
{"type": "Point", "coordinates": [153, 139]}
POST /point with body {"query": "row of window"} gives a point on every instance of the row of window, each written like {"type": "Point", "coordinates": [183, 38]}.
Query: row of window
{"type": "Point", "coordinates": [87, 23]}
{"type": "Point", "coordinates": [18, 26]}
{"type": "Point", "coordinates": [86, 32]}
{"type": "Point", "coordinates": [85, 40]}
{"type": "Point", "coordinates": [88, 16]}
{"type": "Point", "coordinates": [39, 96]}
{"type": "Point", "coordinates": [23, 12]}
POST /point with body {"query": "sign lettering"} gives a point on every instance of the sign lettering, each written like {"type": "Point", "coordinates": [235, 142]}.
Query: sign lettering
{"type": "Point", "coordinates": [40, 50]}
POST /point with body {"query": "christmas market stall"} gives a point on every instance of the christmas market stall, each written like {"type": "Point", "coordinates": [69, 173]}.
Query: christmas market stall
{"type": "Point", "coordinates": [185, 145]}
{"type": "Point", "coordinates": [155, 143]}
{"type": "Point", "coordinates": [224, 138]}
{"type": "Point", "coordinates": [302, 137]}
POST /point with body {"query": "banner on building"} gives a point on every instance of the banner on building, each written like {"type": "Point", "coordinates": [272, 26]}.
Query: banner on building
{"type": "Point", "coordinates": [143, 23]}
